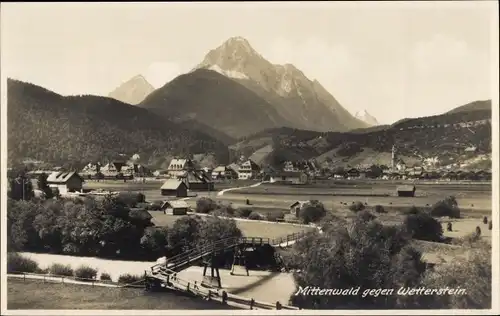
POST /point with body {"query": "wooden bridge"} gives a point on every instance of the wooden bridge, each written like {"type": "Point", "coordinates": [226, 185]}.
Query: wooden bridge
{"type": "Point", "coordinates": [164, 275]}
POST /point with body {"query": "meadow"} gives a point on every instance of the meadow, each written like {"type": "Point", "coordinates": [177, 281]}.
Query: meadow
{"type": "Point", "coordinates": [35, 294]}
{"type": "Point", "coordinates": [249, 228]}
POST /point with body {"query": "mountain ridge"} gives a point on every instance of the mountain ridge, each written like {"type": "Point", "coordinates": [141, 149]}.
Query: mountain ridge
{"type": "Point", "coordinates": [132, 91]}
{"type": "Point", "coordinates": [79, 129]}
{"type": "Point", "coordinates": [303, 102]}
{"type": "Point", "coordinates": [366, 117]}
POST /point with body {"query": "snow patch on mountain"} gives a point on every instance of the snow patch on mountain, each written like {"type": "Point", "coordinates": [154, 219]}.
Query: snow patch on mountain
{"type": "Point", "coordinates": [228, 73]}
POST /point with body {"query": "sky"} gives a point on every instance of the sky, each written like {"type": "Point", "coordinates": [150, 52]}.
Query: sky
{"type": "Point", "coordinates": [395, 60]}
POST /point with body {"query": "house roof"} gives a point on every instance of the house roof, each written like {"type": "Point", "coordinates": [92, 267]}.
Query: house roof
{"type": "Point", "coordinates": [195, 177]}
{"type": "Point", "coordinates": [171, 184]}
{"type": "Point", "coordinates": [407, 188]}
{"type": "Point", "coordinates": [220, 169]}
{"type": "Point", "coordinates": [299, 202]}
{"type": "Point", "coordinates": [234, 166]}
{"type": "Point", "coordinates": [175, 204]}
{"type": "Point", "coordinates": [62, 177]}
{"type": "Point", "coordinates": [179, 161]}
{"type": "Point", "coordinates": [252, 164]}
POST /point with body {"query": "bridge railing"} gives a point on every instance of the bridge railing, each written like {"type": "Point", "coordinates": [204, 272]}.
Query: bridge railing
{"type": "Point", "coordinates": [216, 294]}
{"type": "Point", "coordinates": [221, 245]}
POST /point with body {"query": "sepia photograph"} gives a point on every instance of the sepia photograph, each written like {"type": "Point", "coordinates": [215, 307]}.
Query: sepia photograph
{"type": "Point", "coordinates": [237, 158]}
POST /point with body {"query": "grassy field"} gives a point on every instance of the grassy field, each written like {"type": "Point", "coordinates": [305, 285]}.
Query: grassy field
{"type": "Point", "coordinates": [248, 228]}
{"type": "Point", "coordinates": [34, 294]}
{"type": "Point", "coordinates": [135, 185]}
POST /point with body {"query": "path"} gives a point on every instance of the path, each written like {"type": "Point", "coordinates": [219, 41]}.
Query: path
{"type": "Point", "coordinates": [59, 279]}
{"type": "Point", "coordinates": [221, 192]}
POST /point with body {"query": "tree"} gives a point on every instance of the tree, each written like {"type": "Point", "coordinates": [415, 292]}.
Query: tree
{"type": "Point", "coordinates": [423, 226]}
{"type": "Point", "coordinates": [185, 233]}
{"type": "Point", "coordinates": [312, 212]}
{"type": "Point", "coordinates": [154, 241]}
{"type": "Point", "coordinates": [21, 188]}
{"type": "Point", "coordinates": [474, 275]}
{"type": "Point", "coordinates": [363, 253]}
{"type": "Point", "coordinates": [44, 187]}
{"type": "Point", "coordinates": [447, 207]}
{"type": "Point", "coordinates": [214, 229]}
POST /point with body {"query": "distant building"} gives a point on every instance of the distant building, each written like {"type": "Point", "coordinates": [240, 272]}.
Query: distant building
{"type": "Point", "coordinates": [353, 173]}
{"type": "Point", "coordinates": [248, 170]}
{"type": "Point", "coordinates": [406, 190]}
{"type": "Point", "coordinates": [471, 149]}
{"type": "Point", "coordinates": [173, 187]}
{"type": "Point", "coordinates": [113, 169]}
{"type": "Point", "coordinates": [178, 207]}
{"type": "Point", "coordinates": [91, 169]}
{"type": "Point", "coordinates": [65, 182]}
{"type": "Point", "coordinates": [224, 172]}
{"type": "Point", "coordinates": [196, 181]}
{"type": "Point", "coordinates": [179, 166]}
{"type": "Point", "coordinates": [296, 207]}
{"type": "Point", "coordinates": [290, 177]}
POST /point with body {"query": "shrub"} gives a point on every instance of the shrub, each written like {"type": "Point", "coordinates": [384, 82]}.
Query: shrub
{"type": "Point", "coordinates": [129, 278]}
{"type": "Point", "coordinates": [357, 206]}
{"type": "Point", "coordinates": [144, 206]}
{"type": "Point", "coordinates": [379, 209]}
{"type": "Point", "coordinates": [43, 271]}
{"type": "Point", "coordinates": [366, 254]}
{"type": "Point", "coordinates": [485, 220]}
{"type": "Point", "coordinates": [105, 277]}
{"type": "Point", "coordinates": [130, 199]}
{"type": "Point", "coordinates": [19, 263]}
{"type": "Point", "coordinates": [412, 211]}
{"type": "Point", "coordinates": [478, 231]}
{"type": "Point", "coordinates": [255, 216]}
{"type": "Point", "coordinates": [155, 206]}
{"type": "Point", "coordinates": [85, 272]}
{"type": "Point", "coordinates": [365, 216]}
{"type": "Point", "coordinates": [312, 212]}
{"type": "Point", "coordinates": [225, 210]}
{"type": "Point", "coordinates": [60, 269]}
{"type": "Point", "coordinates": [275, 216]}
{"type": "Point", "coordinates": [243, 212]}
{"type": "Point", "coordinates": [474, 274]}
{"type": "Point", "coordinates": [490, 226]}
{"type": "Point", "coordinates": [205, 205]}
{"type": "Point", "coordinates": [447, 207]}
{"type": "Point", "coordinates": [423, 226]}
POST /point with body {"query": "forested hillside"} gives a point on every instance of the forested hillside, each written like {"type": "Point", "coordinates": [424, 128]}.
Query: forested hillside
{"type": "Point", "coordinates": [46, 126]}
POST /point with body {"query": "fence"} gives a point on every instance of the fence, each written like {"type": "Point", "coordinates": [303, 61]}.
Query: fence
{"type": "Point", "coordinates": [173, 282]}
{"type": "Point", "coordinates": [55, 278]}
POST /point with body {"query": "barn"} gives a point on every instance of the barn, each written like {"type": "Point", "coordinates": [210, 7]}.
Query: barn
{"type": "Point", "coordinates": [406, 190]}
{"type": "Point", "coordinates": [177, 207]}
{"type": "Point", "coordinates": [290, 177]}
{"type": "Point", "coordinates": [65, 182]}
{"type": "Point", "coordinates": [296, 207]}
{"type": "Point", "coordinates": [196, 181]}
{"type": "Point", "coordinates": [173, 187]}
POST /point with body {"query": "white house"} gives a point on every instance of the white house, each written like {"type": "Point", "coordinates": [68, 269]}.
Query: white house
{"type": "Point", "coordinates": [248, 170]}
{"type": "Point", "coordinates": [65, 182]}
{"type": "Point", "coordinates": [179, 166]}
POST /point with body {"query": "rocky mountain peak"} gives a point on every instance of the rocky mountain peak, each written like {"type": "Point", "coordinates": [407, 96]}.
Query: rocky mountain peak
{"type": "Point", "coordinates": [367, 118]}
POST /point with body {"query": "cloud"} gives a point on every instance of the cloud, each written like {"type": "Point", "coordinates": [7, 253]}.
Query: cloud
{"type": "Point", "coordinates": [159, 73]}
